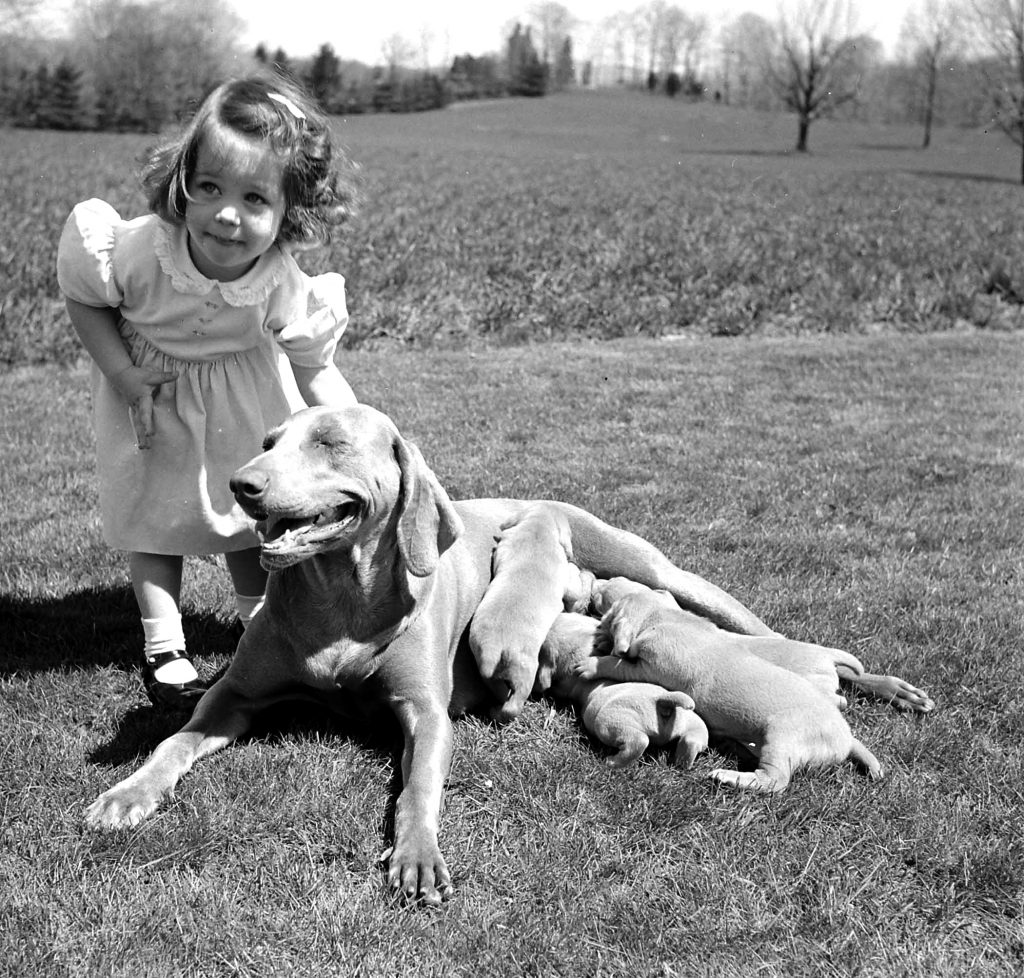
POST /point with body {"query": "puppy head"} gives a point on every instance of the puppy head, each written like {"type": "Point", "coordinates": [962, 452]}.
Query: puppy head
{"type": "Point", "coordinates": [605, 593]}
{"type": "Point", "coordinates": [622, 623]}
{"type": "Point", "coordinates": [579, 584]}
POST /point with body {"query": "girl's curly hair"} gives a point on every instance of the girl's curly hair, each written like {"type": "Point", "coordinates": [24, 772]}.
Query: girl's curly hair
{"type": "Point", "coordinates": [276, 111]}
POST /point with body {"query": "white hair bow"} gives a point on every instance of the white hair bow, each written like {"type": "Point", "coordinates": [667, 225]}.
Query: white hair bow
{"type": "Point", "coordinates": [288, 104]}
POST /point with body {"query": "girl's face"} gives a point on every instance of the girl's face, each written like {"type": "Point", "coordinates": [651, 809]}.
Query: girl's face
{"type": "Point", "coordinates": [235, 204]}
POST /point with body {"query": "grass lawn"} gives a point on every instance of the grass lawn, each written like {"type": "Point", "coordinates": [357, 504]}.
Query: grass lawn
{"type": "Point", "coordinates": [596, 215]}
{"type": "Point", "coordinates": [864, 492]}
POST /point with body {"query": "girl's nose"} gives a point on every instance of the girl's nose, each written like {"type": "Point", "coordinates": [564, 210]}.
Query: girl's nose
{"type": "Point", "coordinates": [228, 215]}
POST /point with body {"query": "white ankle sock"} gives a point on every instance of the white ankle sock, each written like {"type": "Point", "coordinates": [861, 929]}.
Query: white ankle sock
{"type": "Point", "coordinates": [247, 606]}
{"type": "Point", "coordinates": [165, 635]}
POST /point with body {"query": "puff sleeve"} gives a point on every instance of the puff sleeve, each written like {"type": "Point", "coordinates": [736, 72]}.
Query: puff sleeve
{"type": "Point", "coordinates": [311, 339]}
{"type": "Point", "coordinates": [85, 267]}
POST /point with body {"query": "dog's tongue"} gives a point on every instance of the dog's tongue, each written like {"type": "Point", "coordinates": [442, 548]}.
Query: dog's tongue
{"type": "Point", "coordinates": [279, 527]}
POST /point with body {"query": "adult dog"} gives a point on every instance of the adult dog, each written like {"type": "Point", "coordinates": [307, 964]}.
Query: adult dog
{"type": "Point", "coordinates": [375, 576]}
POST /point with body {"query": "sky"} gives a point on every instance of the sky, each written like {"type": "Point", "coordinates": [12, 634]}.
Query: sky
{"type": "Point", "coordinates": [358, 30]}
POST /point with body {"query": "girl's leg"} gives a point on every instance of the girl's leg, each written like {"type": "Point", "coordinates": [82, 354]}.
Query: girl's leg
{"type": "Point", "coordinates": [156, 579]}
{"type": "Point", "coordinates": [249, 580]}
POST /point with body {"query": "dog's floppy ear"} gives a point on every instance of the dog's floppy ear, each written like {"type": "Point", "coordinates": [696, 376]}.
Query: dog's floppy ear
{"type": "Point", "coordinates": [427, 522]}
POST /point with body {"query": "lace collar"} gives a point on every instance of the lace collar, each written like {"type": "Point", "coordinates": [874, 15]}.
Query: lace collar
{"type": "Point", "coordinates": [171, 244]}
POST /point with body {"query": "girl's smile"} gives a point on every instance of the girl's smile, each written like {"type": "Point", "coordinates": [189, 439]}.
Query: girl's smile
{"type": "Point", "coordinates": [236, 203]}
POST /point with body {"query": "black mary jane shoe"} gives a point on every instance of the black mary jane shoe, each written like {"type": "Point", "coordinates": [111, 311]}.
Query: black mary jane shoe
{"type": "Point", "coordinates": [175, 696]}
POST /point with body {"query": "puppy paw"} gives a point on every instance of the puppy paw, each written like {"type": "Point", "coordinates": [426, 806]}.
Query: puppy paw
{"type": "Point", "coordinates": [685, 754]}
{"type": "Point", "coordinates": [746, 780]}
{"type": "Point", "coordinates": [586, 669]}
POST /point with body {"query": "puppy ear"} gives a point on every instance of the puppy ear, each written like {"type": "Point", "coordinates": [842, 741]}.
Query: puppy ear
{"type": "Point", "coordinates": [427, 522]}
{"type": "Point", "coordinates": [683, 699]}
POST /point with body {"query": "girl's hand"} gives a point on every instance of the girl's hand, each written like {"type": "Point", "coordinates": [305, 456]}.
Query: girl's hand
{"type": "Point", "coordinates": [138, 386]}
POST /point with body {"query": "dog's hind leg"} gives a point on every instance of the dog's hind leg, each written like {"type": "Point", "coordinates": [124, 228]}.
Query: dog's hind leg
{"type": "Point", "coordinates": [609, 552]}
{"type": "Point", "coordinates": [629, 744]}
{"type": "Point", "coordinates": [866, 761]}
{"type": "Point", "coordinates": [774, 770]}
{"type": "Point", "coordinates": [895, 691]}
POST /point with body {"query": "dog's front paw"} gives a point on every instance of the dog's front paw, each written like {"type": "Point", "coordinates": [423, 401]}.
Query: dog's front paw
{"type": "Point", "coordinates": [119, 808]}
{"type": "Point", "coordinates": [418, 873]}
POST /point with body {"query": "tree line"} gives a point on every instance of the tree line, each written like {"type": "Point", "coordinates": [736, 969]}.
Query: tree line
{"type": "Point", "coordinates": [139, 64]}
{"type": "Point", "coordinates": [958, 62]}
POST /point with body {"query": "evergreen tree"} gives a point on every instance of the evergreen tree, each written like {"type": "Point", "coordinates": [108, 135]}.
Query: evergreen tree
{"type": "Point", "coordinates": [65, 108]}
{"type": "Point", "coordinates": [527, 76]}
{"type": "Point", "coordinates": [281, 63]}
{"type": "Point", "coordinates": [325, 77]}
{"type": "Point", "coordinates": [38, 115]}
{"type": "Point", "coordinates": [565, 70]}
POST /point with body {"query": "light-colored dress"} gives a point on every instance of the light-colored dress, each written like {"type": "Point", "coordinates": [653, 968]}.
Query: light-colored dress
{"type": "Point", "coordinates": [227, 342]}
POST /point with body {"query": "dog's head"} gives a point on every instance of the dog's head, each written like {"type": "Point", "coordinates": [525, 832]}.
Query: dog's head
{"type": "Point", "coordinates": [339, 480]}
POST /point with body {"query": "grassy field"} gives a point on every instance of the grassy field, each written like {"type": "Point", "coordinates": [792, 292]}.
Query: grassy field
{"type": "Point", "coordinates": [863, 490]}
{"type": "Point", "coordinates": [858, 492]}
{"type": "Point", "coordinates": [600, 215]}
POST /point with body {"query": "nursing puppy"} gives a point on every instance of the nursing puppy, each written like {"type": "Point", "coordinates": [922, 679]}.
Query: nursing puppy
{"type": "Point", "coordinates": [628, 717]}
{"type": "Point", "coordinates": [777, 715]}
{"type": "Point", "coordinates": [532, 580]}
{"type": "Point", "coordinates": [820, 665]}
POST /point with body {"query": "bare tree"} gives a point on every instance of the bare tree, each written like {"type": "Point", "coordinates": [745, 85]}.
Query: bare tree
{"type": "Point", "coordinates": [397, 52]}
{"type": "Point", "coordinates": [746, 52]}
{"type": "Point", "coordinates": [652, 18]}
{"type": "Point", "coordinates": [616, 27]}
{"type": "Point", "coordinates": [638, 29]}
{"type": "Point", "coordinates": [426, 39]}
{"type": "Point", "coordinates": [817, 67]}
{"type": "Point", "coordinates": [931, 34]}
{"type": "Point", "coordinates": [146, 62]}
{"type": "Point", "coordinates": [682, 39]}
{"type": "Point", "coordinates": [553, 22]}
{"type": "Point", "coordinates": [1000, 29]}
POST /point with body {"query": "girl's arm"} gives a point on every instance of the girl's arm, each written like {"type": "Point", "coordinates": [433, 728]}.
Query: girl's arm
{"type": "Point", "coordinates": [323, 385]}
{"type": "Point", "coordinates": [97, 329]}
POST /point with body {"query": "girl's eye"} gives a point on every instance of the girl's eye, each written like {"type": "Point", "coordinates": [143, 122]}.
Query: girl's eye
{"type": "Point", "coordinates": [256, 199]}
{"type": "Point", "coordinates": [207, 188]}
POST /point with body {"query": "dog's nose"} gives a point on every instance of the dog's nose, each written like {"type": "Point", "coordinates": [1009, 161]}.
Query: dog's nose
{"type": "Point", "coordinates": [249, 485]}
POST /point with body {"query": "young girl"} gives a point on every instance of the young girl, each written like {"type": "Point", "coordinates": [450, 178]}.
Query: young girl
{"type": "Point", "coordinates": [186, 313]}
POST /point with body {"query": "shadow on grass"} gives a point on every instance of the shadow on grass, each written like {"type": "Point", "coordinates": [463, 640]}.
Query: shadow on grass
{"type": "Point", "coordinates": [756, 153]}
{"type": "Point", "coordinates": [141, 728]}
{"type": "Point", "coordinates": [970, 177]}
{"type": "Point", "coordinates": [92, 627]}
{"type": "Point", "coordinates": [891, 147]}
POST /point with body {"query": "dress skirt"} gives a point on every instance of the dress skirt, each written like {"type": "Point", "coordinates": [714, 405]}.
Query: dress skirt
{"type": "Point", "coordinates": [174, 497]}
